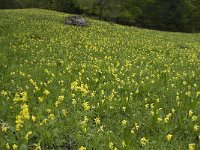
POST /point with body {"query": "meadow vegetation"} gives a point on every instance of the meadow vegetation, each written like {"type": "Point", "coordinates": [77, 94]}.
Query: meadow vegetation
{"type": "Point", "coordinates": [104, 86]}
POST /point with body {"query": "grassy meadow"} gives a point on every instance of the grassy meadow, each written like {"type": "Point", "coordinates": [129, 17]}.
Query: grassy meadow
{"type": "Point", "coordinates": [100, 87]}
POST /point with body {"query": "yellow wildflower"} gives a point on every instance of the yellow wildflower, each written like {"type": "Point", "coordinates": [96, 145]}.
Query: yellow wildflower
{"type": "Point", "coordinates": [46, 92]}
{"type": "Point", "coordinates": [59, 100]}
{"type": "Point", "coordinates": [37, 146]}
{"type": "Point", "coordinates": [51, 116]}
{"type": "Point", "coordinates": [86, 106]}
{"type": "Point", "coordinates": [28, 134]}
{"type": "Point", "coordinates": [24, 112]}
{"type": "Point", "coordinates": [124, 122]}
{"type": "Point", "coordinates": [40, 99]}
{"type": "Point", "coordinates": [194, 118]}
{"type": "Point", "coordinates": [22, 96]}
{"type": "Point", "coordinates": [191, 146]}
{"type": "Point", "coordinates": [4, 127]}
{"type": "Point", "coordinates": [82, 148]}
{"type": "Point", "coordinates": [14, 146]}
{"type": "Point", "coordinates": [169, 137]}
{"type": "Point", "coordinates": [144, 141]}
{"type": "Point", "coordinates": [133, 130]}
{"type": "Point", "coordinates": [4, 93]}
{"type": "Point", "coordinates": [123, 144]}
{"type": "Point", "coordinates": [190, 112]}
{"type": "Point", "coordinates": [167, 119]}
{"type": "Point", "coordinates": [33, 118]}
{"type": "Point", "coordinates": [44, 121]}
{"type": "Point", "coordinates": [159, 120]}
{"type": "Point", "coordinates": [64, 111]}
{"type": "Point", "coordinates": [196, 127]}
{"type": "Point", "coordinates": [111, 145]}
{"type": "Point", "coordinates": [7, 146]}
{"type": "Point", "coordinates": [97, 120]}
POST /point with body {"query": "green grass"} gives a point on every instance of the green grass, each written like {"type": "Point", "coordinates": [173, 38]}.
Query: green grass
{"type": "Point", "coordinates": [109, 85]}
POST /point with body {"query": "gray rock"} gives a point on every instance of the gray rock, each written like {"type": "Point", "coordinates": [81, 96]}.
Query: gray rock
{"type": "Point", "coordinates": [76, 20]}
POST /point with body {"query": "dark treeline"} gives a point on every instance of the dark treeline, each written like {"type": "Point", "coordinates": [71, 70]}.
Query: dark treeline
{"type": "Point", "coordinates": [169, 15]}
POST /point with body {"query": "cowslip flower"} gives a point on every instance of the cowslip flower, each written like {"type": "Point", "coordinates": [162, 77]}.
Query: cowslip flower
{"type": "Point", "coordinates": [33, 118]}
{"type": "Point", "coordinates": [191, 146]}
{"type": "Point", "coordinates": [64, 111]}
{"type": "Point", "coordinates": [123, 144]}
{"type": "Point", "coordinates": [190, 112]}
{"type": "Point", "coordinates": [196, 127]}
{"type": "Point", "coordinates": [124, 122]}
{"type": "Point", "coordinates": [7, 146]}
{"type": "Point", "coordinates": [15, 147]}
{"type": "Point", "coordinates": [144, 141]}
{"type": "Point", "coordinates": [82, 148]}
{"type": "Point", "coordinates": [159, 120]}
{"type": "Point", "coordinates": [4, 127]}
{"type": "Point", "coordinates": [97, 120]}
{"type": "Point", "coordinates": [86, 106]}
{"type": "Point", "coordinates": [59, 100]}
{"type": "Point", "coordinates": [28, 134]}
{"type": "Point", "coordinates": [169, 137]}
{"type": "Point", "coordinates": [111, 145]}
{"type": "Point", "coordinates": [46, 92]}
{"type": "Point", "coordinates": [37, 146]}
{"type": "Point", "coordinates": [194, 118]}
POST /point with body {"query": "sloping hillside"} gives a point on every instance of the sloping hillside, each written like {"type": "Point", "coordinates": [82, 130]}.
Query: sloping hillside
{"type": "Point", "coordinates": [104, 86]}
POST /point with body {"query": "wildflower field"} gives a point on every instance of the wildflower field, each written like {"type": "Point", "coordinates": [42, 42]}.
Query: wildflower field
{"type": "Point", "coordinates": [104, 86]}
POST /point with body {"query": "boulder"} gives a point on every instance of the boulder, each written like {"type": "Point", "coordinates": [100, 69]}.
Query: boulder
{"type": "Point", "coordinates": [76, 20]}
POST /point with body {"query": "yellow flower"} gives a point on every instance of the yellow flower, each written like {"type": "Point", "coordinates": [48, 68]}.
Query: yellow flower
{"type": "Point", "coordinates": [51, 116]}
{"type": "Point", "coordinates": [59, 100]}
{"type": "Point", "coordinates": [74, 102]}
{"type": "Point", "coordinates": [144, 141]}
{"type": "Point", "coordinates": [86, 106]}
{"type": "Point", "coordinates": [97, 120]}
{"type": "Point", "coordinates": [167, 119]}
{"type": "Point", "coordinates": [28, 134]}
{"type": "Point", "coordinates": [44, 121]}
{"type": "Point", "coordinates": [64, 112]}
{"type": "Point", "coordinates": [190, 112]}
{"type": "Point", "coordinates": [137, 126]}
{"type": "Point", "coordinates": [133, 130]}
{"type": "Point", "coordinates": [4, 127]}
{"type": "Point", "coordinates": [46, 92]}
{"type": "Point", "coordinates": [111, 145]}
{"type": "Point", "coordinates": [194, 118]}
{"type": "Point", "coordinates": [123, 144]}
{"type": "Point", "coordinates": [24, 112]}
{"type": "Point", "coordinates": [7, 146]}
{"type": "Point", "coordinates": [124, 109]}
{"type": "Point", "coordinates": [173, 110]}
{"type": "Point", "coordinates": [22, 96]}
{"type": "Point", "coordinates": [191, 146]}
{"type": "Point", "coordinates": [159, 120]}
{"type": "Point", "coordinates": [196, 127]}
{"type": "Point", "coordinates": [82, 148]}
{"type": "Point", "coordinates": [124, 122]}
{"type": "Point", "coordinates": [14, 146]}
{"type": "Point", "coordinates": [40, 99]}
{"type": "Point", "coordinates": [4, 93]}
{"type": "Point", "coordinates": [169, 137]}
{"type": "Point", "coordinates": [33, 118]}
{"type": "Point", "coordinates": [37, 146]}
{"type": "Point", "coordinates": [18, 126]}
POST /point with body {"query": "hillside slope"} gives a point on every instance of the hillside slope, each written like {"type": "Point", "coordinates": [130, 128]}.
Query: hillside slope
{"type": "Point", "coordinates": [104, 86]}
